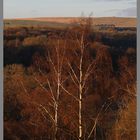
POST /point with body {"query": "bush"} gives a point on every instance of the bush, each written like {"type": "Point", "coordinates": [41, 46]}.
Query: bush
{"type": "Point", "coordinates": [35, 41]}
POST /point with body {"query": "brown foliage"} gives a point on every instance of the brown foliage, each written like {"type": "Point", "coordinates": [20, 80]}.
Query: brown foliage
{"type": "Point", "coordinates": [28, 99]}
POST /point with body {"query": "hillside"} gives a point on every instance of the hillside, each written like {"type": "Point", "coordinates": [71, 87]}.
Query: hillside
{"type": "Point", "coordinates": [117, 21]}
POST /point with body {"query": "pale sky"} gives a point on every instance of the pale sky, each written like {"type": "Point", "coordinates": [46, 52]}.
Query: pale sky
{"type": "Point", "coordinates": [69, 8]}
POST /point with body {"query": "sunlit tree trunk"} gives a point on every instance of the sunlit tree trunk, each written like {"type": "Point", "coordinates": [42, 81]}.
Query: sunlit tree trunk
{"type": "Point", "coordinates": [80, 89]}
{"type": "Point", "coordinates": [55, 80]}
{"type": "Point", "coordinates": [58, 71]}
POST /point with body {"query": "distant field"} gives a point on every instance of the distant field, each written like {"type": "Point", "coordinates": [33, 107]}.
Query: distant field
{"type": "Point", "coordinates": [66, 21]}
{"type": "Point", "coordinates": [33, 23]}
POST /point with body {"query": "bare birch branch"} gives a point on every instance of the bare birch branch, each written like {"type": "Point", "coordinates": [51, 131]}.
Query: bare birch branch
{"type": "Point", "coordinates": [96, 120]}
{"type": "Point", "coordinates": [73, 72]}
{"type": "Point", "coordinates": [52, 63]}
{"type": "Point", "coordinates": [73, 79]}
{"type": "Point", "coordinates": [69, 93]}
{"type": "Point", "coordinates": [47, 112]}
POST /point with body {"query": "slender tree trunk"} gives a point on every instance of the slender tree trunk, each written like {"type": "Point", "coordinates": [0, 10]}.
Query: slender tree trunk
{"type": "Point", "coordinates": [58, 94]}
{"type": "Point", "coordinates": [56, 121]}
{"type": "Point", "coordinates": [80, 116]}
{"type": "Point", "coordinates": [80, 105]}
{"type": "Point", "coordinates": [80, 91]}
{"type": "Point", "coordinates": [56, 105]}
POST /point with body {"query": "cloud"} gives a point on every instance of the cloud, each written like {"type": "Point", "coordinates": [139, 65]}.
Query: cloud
{"type": "Point", "coordinates": [133, 3]}
{"type": "Point", "coordinates": [34, 11]}
{"type": "Point", "coordinates": [129, 12]}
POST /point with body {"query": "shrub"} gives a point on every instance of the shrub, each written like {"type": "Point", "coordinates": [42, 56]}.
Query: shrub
{"type": "Point", "coordinates": [35, 41]}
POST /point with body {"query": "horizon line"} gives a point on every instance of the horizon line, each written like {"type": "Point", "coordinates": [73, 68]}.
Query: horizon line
{"type": "Point", "coordinates": [72, 17]}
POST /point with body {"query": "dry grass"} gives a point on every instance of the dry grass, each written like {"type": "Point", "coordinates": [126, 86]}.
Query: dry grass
{"type": "Point", "coordinates": [117, 21]}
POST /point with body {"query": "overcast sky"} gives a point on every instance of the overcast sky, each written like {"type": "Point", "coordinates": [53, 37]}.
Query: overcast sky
{"type": "Point", "coordinates": [71, 8]}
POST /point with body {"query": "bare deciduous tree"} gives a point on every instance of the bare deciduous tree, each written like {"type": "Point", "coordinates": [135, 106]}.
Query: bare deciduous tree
{"type": "Point", "coordinates": [80, 75]}
{"type": "Point", "coordinates": [54, 80]}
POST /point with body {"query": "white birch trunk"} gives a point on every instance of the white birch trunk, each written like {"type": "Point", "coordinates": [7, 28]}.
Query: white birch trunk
{"type": "Point", "coordinates": [58, 91]}
{"type": "Point", "coordinates": [80, 91]}
{"type": "Point", "coordinates": [80, 115]}
{"type": "Point", "coordinates": [56, 122]}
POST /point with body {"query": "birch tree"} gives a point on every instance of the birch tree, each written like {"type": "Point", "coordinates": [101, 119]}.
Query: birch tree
{"type": "Point", "coordinates": [84, 67]}
{"type": "Point", "coordinates": [54, 58]}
